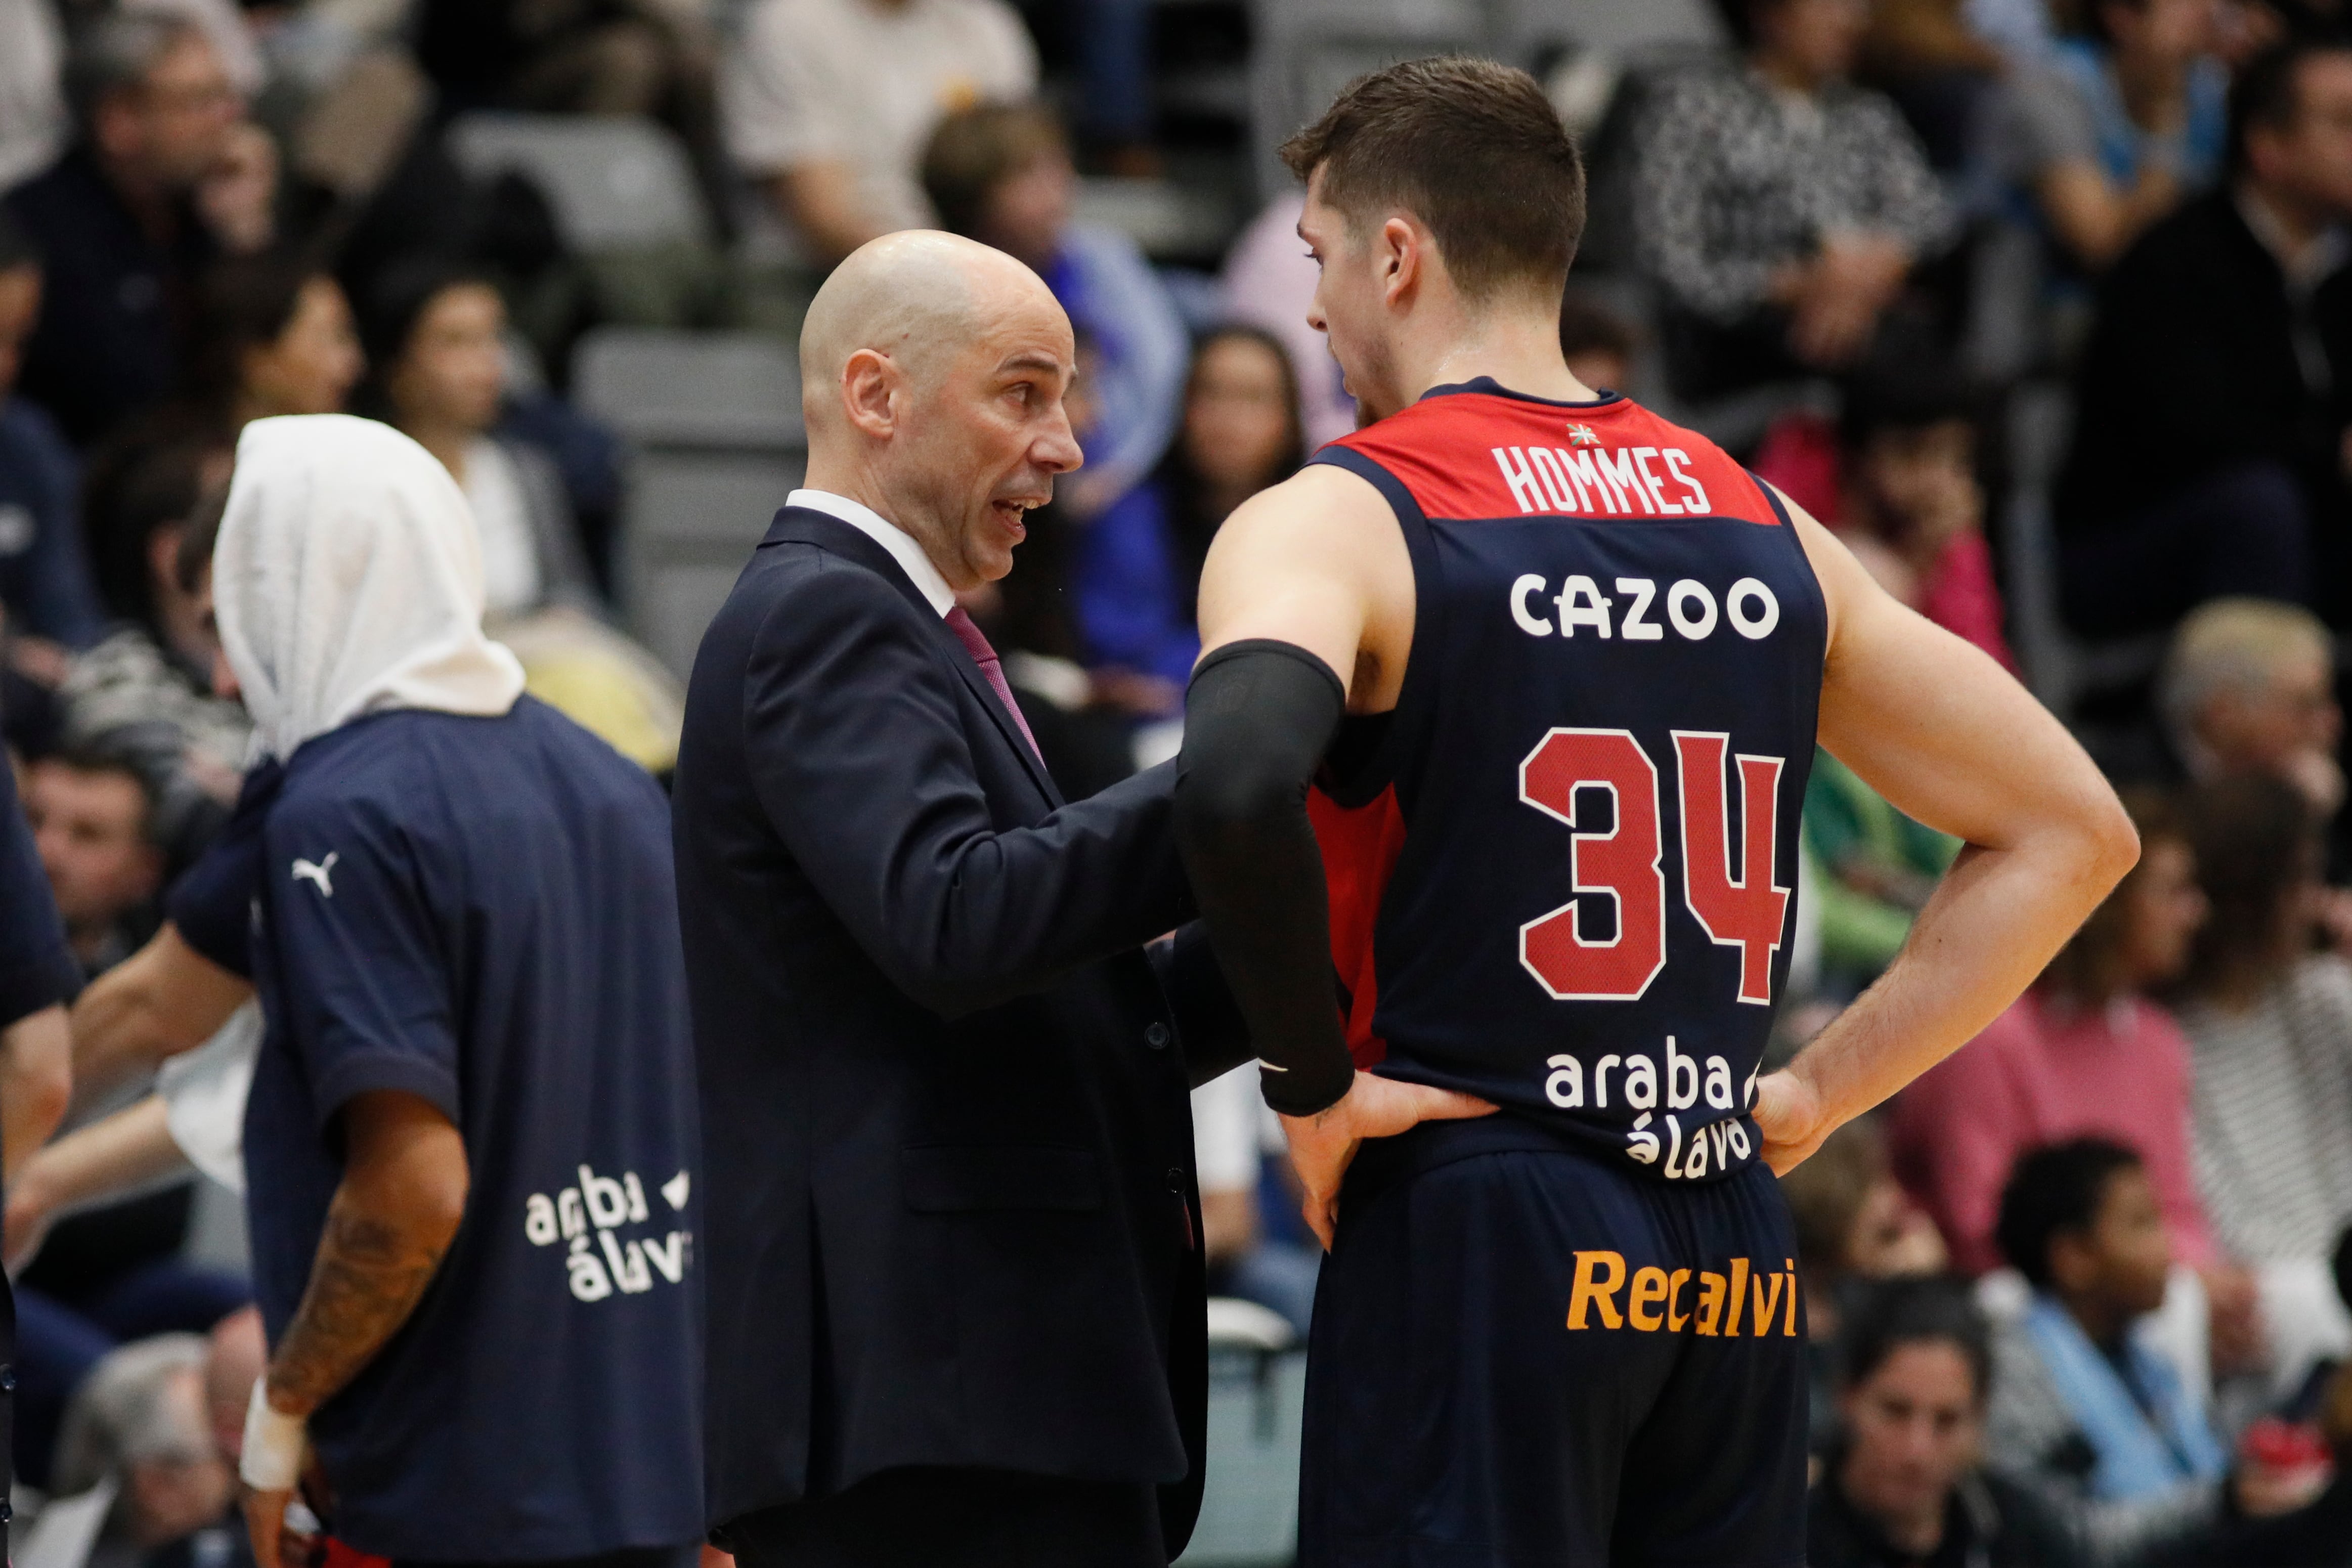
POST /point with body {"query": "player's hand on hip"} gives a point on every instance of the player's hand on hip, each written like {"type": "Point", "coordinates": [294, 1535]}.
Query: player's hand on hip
{"type": "Point", "coordinates": [1789, 1114]}
{"type": "Point", "coordinates": [1374, 1107]}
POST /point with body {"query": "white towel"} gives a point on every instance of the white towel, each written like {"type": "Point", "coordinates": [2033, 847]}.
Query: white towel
{"type": "Point", "coordinates": [348, 580]}
{"type": "Point", "coordinates": [204, 1095]}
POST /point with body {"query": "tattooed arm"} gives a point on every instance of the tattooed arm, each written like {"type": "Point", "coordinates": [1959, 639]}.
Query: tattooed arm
{"type": "Point", "coordinates": [401, 1198]}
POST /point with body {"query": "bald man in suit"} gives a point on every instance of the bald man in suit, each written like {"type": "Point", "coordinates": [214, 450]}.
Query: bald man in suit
{"type": "Point", "coordinates": [955, 1282]}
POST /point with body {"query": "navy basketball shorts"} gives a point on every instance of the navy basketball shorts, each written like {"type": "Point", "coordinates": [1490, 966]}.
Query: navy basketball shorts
{"type": "Point", "coordinates": [1525, 1357]}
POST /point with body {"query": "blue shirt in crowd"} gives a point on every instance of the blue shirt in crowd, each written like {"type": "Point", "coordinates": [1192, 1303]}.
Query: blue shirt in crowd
{"type": "Point", "coordinates": [45, 581]}
{"type": "Point", "coordinates": [1134, 603]}
{"type": "Point", "coordinates": [2122, 144]}
{"type": "Point", "coordinates": [480, 912]}
{"type": "Point", "coordinates": [1136, 379]}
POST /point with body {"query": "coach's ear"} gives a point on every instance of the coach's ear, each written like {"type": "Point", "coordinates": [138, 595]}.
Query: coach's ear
{"type": "Point", "coordinates": [869, 386]}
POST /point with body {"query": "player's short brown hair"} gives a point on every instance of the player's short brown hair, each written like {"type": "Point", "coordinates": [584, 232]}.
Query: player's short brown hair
{"type": "Point", "coordinates": [1473, 149]}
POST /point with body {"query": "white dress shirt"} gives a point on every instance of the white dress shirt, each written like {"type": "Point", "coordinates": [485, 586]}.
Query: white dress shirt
{"type": "Point", "coordinates": [889, 535]}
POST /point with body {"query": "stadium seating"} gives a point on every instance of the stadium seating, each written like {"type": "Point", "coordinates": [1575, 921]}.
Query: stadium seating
{"type": "Point", "coordinates": [1257, 1396]}
{"type": "Point", "coordinates": [615, 183]}
{"type": "Point", "coordinates": [713, 424]}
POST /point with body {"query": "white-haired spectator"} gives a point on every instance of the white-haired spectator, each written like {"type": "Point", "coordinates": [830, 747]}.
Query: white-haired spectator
{"type": "Point", "coordinates": [2249, 685]}
{"type": "Point", "coordinates": [828, 103]}
{"type": "Point", "coordinates": [140, 1419]}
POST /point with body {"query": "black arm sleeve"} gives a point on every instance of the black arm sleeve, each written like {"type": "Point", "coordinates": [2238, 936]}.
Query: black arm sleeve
{"type": "Point", "coordinates": [1257, 717]}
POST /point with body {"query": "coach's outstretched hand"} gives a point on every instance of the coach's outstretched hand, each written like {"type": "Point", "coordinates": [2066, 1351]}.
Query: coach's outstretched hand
{"type": "Point", "coordinates": [1789, 1113]}
{"type": "Point", "coordinates": [1322, 1144]}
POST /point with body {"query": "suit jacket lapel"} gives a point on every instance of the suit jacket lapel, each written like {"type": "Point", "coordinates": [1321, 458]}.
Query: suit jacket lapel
{"type": "Point", "coordinates": [803, 525]}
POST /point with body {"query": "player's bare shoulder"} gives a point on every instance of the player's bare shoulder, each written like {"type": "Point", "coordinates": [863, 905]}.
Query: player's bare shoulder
{"type": "Point", "coordinates": [1841, 577]}
{"type": "Point", "coordinates": [1321, 548]}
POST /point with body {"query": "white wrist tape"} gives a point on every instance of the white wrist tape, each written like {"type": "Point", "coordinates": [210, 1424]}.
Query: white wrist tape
{"type": "Point", "coordinates": [274, 1445]}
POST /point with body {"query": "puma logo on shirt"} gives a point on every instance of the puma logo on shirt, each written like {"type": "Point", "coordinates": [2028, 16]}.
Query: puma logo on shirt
{"type": "Point", "coordinates": [319, 871]}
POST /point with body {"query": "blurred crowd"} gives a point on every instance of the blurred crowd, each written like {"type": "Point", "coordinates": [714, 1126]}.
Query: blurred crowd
{"type": "Point", "coordinates": [2079, 1296]}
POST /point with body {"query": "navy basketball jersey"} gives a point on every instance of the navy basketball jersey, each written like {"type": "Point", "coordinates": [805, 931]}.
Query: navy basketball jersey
{"type": "Point", "coordinates": [1563, 877]}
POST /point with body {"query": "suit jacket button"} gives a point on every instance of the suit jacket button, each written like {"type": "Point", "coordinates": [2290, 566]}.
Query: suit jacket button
{"type": "Point", "coordinates": [1156, 1037]}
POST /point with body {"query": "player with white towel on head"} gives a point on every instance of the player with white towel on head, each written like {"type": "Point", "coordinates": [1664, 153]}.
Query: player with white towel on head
{"type": "Point", "coordinates": [471, 1139]}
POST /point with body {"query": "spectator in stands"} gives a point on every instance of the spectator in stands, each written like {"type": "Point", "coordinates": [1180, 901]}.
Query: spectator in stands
{"type": "Point", "coordinates": [1909, 493]}
{"type": "Point", "coordinates": [2083, 1052]}
{"type": "Point", "coordinates": [140, 1419]}
{"type": "Point", "coordinates": [273, 335]}
{"type": "Point", "coordinates": [150, 681]}
{"type": "Point", "coordinates": [2081, 1409]}
{"type": "Point", "coordinates": [2168, 499]}
{"type": "Point", "coordinates": [1855, 1227]}
{"type": "Point", "coordinates": [1138, 569]}
{"type": "Point", "coordinates": [1002, 174]}
{"type": "Point", "coordinates": [1269, 282]}
{"type": "Point", "coordinates": [434, 333]}
{"type": "Point", "coordinates": [2269, 1022]}
{"type": "Point", "coordinates": [2249, 685]}
{"type": "Point", "coordinates": [92, 811]}
{"type": "Point", "coordinates": [2113, 130]}
{"type": "Point", "coordinates": [1905, 1485]}
{"type": "Point", "coordinates": [165, 174]}
{"type": "Point", "coordinates": [1783, 211]}
{"type": "Point", "coordinates": [830, 104]}
{"type": "Point", "coordinates": [44, 588]}
{"type": "Point", "coordinates": [1598, 343]}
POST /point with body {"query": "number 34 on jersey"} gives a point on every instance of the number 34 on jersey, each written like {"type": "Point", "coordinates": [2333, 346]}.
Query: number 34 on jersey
{"type": "Point", "coordinates": [1728, 886]}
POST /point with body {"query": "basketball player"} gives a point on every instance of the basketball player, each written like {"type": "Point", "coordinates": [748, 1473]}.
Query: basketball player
{"type": "Point", "coordinates": [1555, 669]}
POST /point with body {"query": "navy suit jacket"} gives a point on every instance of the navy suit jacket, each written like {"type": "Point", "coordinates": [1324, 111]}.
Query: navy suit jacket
{"type": "Point", "coordinates": [947, 1142]}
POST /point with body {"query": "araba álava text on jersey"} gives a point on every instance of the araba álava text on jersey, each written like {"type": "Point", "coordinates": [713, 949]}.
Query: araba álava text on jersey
{"type": "Point", "coordinates": [1687, 1155]}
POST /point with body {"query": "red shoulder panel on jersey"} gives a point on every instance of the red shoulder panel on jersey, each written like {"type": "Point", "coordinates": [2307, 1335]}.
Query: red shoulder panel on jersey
{"type": "Point", "coordinates": [1466, 454]}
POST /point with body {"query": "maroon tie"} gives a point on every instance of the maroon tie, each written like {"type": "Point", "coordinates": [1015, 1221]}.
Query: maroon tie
{"type": "Point", "coordinates": [985, 656]}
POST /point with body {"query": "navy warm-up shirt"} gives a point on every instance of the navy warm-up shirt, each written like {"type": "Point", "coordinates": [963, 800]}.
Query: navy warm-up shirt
{"type": "Point", "coordinates": [212, 904]}
{"type": "Point", "coordinates": [36, 968]}
{"type": "Point", "coordinates": [480, 912]}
